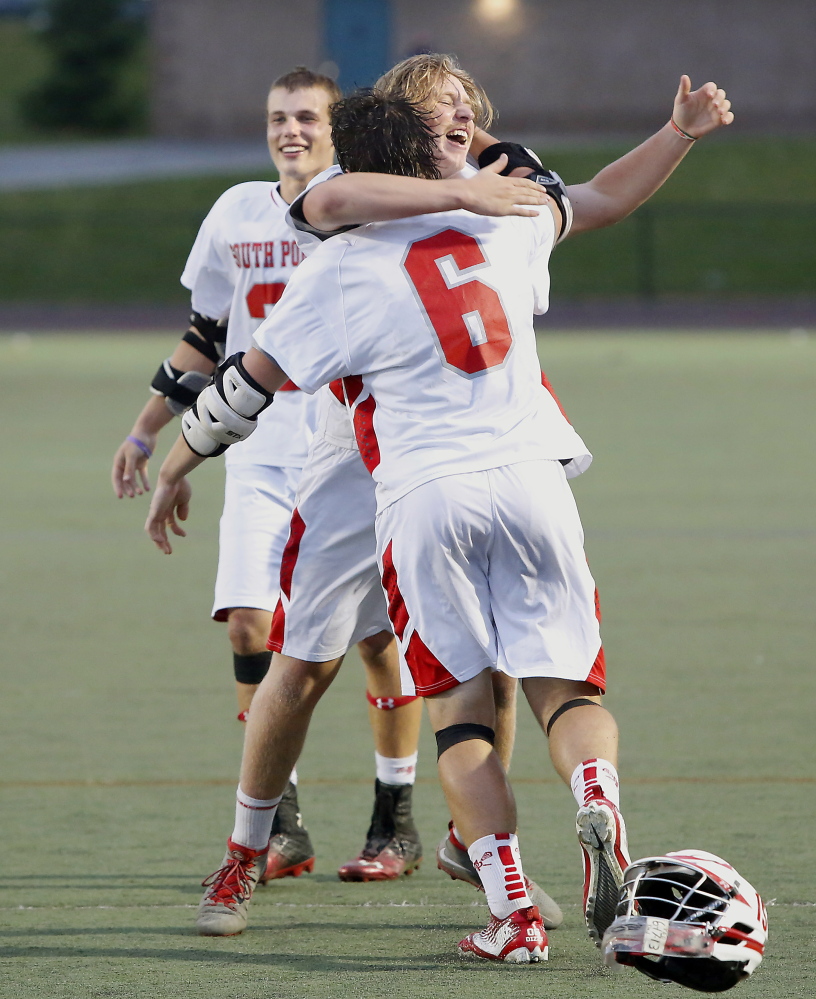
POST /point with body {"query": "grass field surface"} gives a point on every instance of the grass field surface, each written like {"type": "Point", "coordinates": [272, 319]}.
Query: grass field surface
{"type": "Point", "coordinates": [120, 749]}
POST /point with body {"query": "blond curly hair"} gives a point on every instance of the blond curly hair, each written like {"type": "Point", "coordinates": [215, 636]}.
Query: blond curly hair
{"type": "Point", "coordinates": [418, 79]}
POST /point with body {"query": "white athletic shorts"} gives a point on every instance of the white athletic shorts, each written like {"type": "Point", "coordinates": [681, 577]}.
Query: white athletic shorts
{"type": "Point", "coordinates": [331, 596]}
{"type": "Point", "coordinates": [258, 502]}
{"type": "Point", "coordinates": [487, 570]}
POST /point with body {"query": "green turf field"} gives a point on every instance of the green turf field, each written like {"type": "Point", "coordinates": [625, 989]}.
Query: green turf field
{"type": "Point", "coordinates": [119, 748]}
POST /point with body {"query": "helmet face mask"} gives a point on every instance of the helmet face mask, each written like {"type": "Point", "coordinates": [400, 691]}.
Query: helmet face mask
{"type": "Point", "coordinates": [688, 918]}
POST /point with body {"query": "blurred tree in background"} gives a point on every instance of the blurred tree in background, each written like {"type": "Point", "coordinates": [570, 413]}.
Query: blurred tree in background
{"type": "Point", "coordinates": [89, 44]}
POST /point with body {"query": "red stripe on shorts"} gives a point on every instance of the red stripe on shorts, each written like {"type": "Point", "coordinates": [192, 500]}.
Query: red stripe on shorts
{"type": "Point", "coordinates": [336, 389]}
{"type": "Point", "coordinates": [430, 676]}
{"type": "Point", "coordinates": [289, 386]}
{"type": "Point", "coordinates": [397, 614]}
{"type": "Point", "coordinates": [364, 432]}
{"type": "Point", "coordinates": [291, 552]}
{"type": "Point", "coordinates": [290, 556]}
{"type": "Point", "coordinates": [597, 674]}
{"type": "Point", "coordinates": [276, 632]}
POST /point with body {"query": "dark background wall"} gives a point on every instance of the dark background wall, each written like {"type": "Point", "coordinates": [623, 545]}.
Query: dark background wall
{"type": "Point", "coordinates": [549, 65]}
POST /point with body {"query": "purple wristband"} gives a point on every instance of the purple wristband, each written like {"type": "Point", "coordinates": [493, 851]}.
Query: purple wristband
{"type": "Point", "coordinates": [141, 446]}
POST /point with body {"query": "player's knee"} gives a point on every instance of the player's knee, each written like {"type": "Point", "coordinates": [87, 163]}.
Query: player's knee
{"type": "Point", "coordinates": [452, 735]}
{"type": "Point", "coordinates": [248, 630]}
{"type": "Point", "coordinates": [298, 684]}
{"type": "Point", "coordinates": [372, 650]}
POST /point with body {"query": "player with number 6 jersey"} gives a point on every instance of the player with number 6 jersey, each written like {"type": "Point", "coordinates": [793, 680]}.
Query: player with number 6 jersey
{"type": "Point", "coordinates": [463, 280]}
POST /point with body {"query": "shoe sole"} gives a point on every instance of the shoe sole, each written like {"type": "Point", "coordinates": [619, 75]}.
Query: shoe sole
{"type": "Point", "coordinates": [360, 876]}
{"type": "Point", "coordinates": [214, 933]}
{"type": "Point", "coordinates": [304, 867]}
{"type": "Point", "coordinates": [207, 925]}
{"type": "Point", "coordinates": [597, 832]}
{"type": "Point", "coordinates": [518, 956]}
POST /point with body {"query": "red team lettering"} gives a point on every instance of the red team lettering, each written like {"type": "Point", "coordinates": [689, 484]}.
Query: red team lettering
{"type": "Point", "coordinates": [267, 254]}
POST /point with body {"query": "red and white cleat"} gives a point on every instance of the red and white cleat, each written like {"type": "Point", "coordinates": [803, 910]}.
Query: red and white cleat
{"type": "Point", "coordinates": [518, 939]}
{"type": "Point", "coordinates": [602, 835]}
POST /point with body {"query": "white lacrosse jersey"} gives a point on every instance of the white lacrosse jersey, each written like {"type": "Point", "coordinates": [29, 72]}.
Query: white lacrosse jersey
{"type": "Point", "coordinates": [238, 267]}
{"type": "Point", "coordinates": [428, 321]}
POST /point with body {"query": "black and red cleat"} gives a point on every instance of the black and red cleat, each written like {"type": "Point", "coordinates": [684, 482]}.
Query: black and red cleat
{"type": "Point", "coordinates": [290, 848]}
{"type": "Point", "coordinates": [392, 846]}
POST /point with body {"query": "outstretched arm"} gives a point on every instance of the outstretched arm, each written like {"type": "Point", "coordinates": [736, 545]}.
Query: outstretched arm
{"type": "Point", "coordinates": [622, 186]}
{"type": "Point", "coordinates": [258, 378]}
{"type": "Point", "coordinates": [357, 198]}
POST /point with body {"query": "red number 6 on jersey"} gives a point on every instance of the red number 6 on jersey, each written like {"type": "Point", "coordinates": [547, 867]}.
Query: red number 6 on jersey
{"type": "Point", "coordinates": [469, 320]}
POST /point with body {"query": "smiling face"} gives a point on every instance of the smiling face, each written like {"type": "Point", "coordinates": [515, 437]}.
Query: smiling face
{"type": "Point", "coordinates": [298, 135]}
{"type": "Point", "coordinates": [451, 117]}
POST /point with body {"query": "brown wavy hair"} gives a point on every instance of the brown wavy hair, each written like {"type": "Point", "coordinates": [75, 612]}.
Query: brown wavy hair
{"type": "Point", "coordinates": [373, 133]}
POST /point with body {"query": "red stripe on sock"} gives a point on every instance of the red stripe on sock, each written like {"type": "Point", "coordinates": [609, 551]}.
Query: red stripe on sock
{"type": "Point", "coordinates": [506, 856]}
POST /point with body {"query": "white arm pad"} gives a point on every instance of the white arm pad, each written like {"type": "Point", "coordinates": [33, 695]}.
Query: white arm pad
{"type": "Point", "coordinates": [225, 412]}
{"type": "Point", "coordinates": [211, 422]}
{"type": "Point", "coordinates": [239, 395]}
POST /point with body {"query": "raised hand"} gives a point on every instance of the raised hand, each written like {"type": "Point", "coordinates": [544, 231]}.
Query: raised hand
{"type": "Point", "coordinates": [698, 112]}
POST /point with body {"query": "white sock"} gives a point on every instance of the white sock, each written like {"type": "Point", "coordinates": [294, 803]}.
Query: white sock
{"type": "Point", "coordinates": [253, 820]}
{"type": "Point", "coordinates": [396, 769]}
{"type": "Point", "coordinates": [498, 861]}
{"type": "Point", "coordinates": [595, 779]}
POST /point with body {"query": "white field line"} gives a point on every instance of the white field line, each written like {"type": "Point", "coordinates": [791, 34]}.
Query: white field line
{"type": "Point", "coordinates": [321, 905]}
{"type": "Point", "coordinates": [275, 905]}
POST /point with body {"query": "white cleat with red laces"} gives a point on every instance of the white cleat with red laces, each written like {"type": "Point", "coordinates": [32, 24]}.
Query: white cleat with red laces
{"type": "Point", "coordinates": [602, 835]}
{"type": "Point", "coordinates": [520, 938]}
{"type": "Point", "coordinates": [223, 909]}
